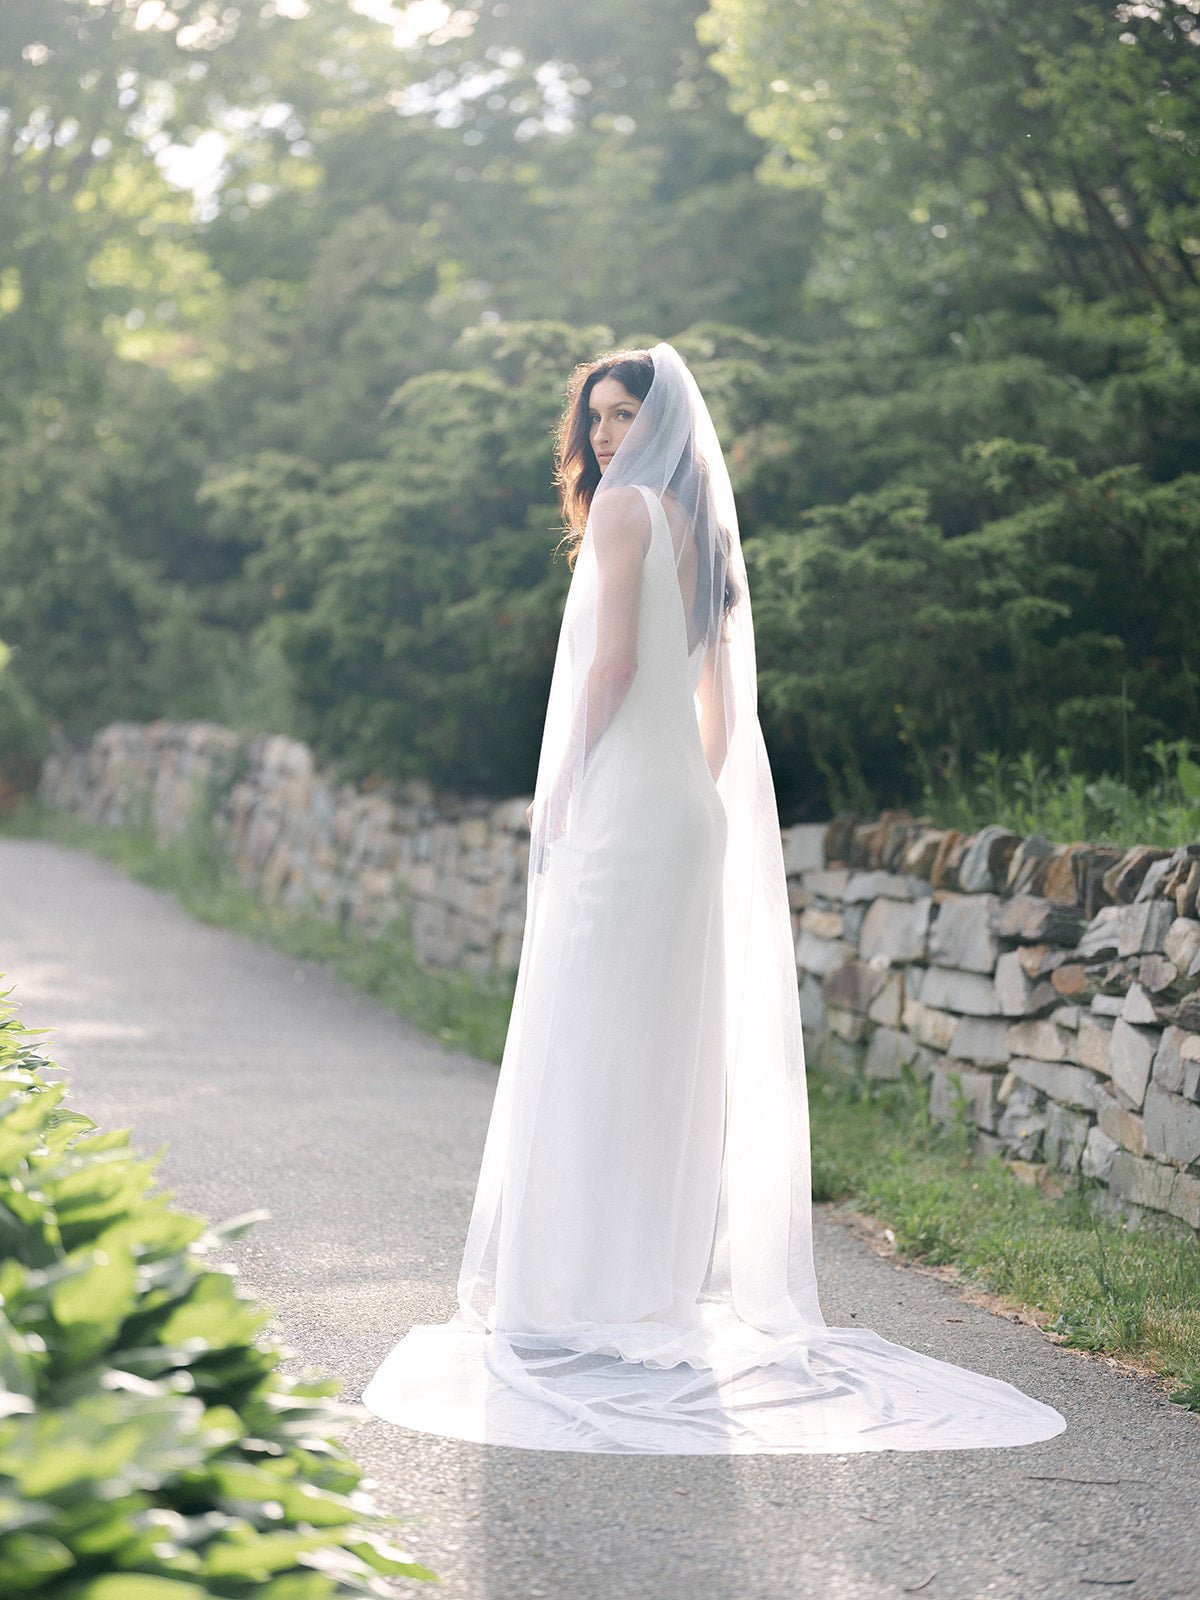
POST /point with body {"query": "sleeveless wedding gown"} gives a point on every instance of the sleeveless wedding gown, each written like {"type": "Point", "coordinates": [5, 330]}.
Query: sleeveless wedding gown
{"type": "Point", "coordinates": [613, 1297]}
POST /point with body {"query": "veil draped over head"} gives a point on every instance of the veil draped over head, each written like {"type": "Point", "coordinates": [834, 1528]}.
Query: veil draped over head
{"type": "Point", "coordinates": [638, 1272]}
{"type": "Point", "coordinates": [672, 450]}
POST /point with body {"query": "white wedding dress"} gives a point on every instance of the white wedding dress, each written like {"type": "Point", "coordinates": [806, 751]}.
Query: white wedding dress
{"type": "Point", "coordinates": [638, 1274]}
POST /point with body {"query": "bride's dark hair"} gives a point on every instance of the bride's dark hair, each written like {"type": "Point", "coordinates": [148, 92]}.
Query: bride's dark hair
{"type": "Point", "coordinates": [576, 470]}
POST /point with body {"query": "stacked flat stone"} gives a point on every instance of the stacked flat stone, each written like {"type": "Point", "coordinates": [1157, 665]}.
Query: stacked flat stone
{"type": "Point", "coordinates": [1051, 994]}
{"type": "Point", "coordinates": [358, 854]}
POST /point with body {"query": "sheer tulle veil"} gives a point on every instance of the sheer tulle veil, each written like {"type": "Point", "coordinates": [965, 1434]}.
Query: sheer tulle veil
{"type": "Point", "coordinates": [738, 1358]}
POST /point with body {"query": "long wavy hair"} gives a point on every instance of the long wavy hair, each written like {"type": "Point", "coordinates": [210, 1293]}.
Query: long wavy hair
{"type": "Point", "coordinates": [576, 470]}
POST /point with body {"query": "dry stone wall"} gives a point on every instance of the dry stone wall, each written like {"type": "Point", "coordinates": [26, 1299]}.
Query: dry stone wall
{"type": "Point", "coordinates": [1051, 994]}
{"type": "Point", "coordinates": [300, 838]}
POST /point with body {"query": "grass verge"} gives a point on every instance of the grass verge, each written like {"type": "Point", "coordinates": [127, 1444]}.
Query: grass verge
{"type": "Point", "coordinates": [1090, 1282]}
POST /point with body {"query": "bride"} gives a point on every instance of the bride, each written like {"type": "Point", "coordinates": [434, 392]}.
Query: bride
{"type": "Point", "coordinates": [638, 1273]}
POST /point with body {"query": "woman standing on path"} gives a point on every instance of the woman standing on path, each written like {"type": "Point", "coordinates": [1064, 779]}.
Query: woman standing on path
{"type": "Point", "coordinates": [638, 1273]}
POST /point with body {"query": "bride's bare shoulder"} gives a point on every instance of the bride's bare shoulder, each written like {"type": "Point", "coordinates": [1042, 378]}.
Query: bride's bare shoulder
{"type": "Point", "coordinates": [619, 515]}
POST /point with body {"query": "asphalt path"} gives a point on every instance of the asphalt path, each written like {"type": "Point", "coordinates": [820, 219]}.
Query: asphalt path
{"type": "Point", "coordinates": [274, 1086]}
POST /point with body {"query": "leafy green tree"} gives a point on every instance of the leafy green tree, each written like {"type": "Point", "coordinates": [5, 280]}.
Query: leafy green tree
{"type": "Point", "coordinates": [974, 155]}
{"type": "Point", "coordinates": [97, 539]}
{"type": "Point", "coordinates": [282, 455]}
{"type": "Point", "coordinates": [542, 164]}
{"type": "Point", "coordinates": [93, 94]}
{"type": "Point", "coordinates": [895, 655]}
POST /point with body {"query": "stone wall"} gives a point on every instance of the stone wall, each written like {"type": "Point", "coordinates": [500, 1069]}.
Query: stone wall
{"type": "Point", "coordinates": [300, 838]}
{"type": "Point", "coordinates": [1049, 994]}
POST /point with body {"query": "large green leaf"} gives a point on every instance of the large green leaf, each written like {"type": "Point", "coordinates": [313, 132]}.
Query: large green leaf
{"type": "Point", "coordinates": [133, 1586]}
{"type": "Point", "coordinates": [18, 1367]}
{"type": "Point", "coordinates": [102, 1292]}
{"type": "Point", "coordinates": [216, 1313]}
{"type": "Point", "coordinates": [29, 1560]}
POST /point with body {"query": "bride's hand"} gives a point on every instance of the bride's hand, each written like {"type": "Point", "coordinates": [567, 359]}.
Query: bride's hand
{"type": "Point", "coordinates": [556, 811]}
{"type": "Point", "coordinates": [553, 820]}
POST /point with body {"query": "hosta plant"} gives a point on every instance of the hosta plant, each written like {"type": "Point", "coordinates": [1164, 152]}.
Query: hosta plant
{"type": "Point", "coordinates": [151, 1447]}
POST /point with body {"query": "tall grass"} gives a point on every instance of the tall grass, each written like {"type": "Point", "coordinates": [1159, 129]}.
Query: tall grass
{"type": "Point", "coordinates": [1095, 1284]}
{"type": "Point", "coordinates": [1063, 805]}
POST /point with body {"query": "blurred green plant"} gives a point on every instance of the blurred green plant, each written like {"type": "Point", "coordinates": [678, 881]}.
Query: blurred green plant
{"type": "Point", "coordinates": [23, 733]}
{"type": "Point", "coordinates": [1065, 805]}
{"type": "Point", "coordinates": [150, 1446]}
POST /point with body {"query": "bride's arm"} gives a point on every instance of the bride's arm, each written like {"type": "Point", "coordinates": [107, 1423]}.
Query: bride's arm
{"type": "Point", "coordinates": [620, 530]}
{"type": "Point", "coordinates": [620, 537]}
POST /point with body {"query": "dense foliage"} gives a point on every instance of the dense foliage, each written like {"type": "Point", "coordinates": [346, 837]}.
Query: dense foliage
{"type": "Point", "coordinates": [979, 156]}
{"type": "Point", "coordinates": [150, 1446]}
{"type": "Point", "coordinates": [280, 454]}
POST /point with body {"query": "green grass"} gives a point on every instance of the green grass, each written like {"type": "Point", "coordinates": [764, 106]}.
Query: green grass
{"type": "Point", "coordinates": [1063, 805]}
{"type": "Point", "coordinates": [1093, 1283]}
{"type": "Point", "coordinates": [1133, 1293]}
{"type": "Point", "coordinates": [462, 1012]}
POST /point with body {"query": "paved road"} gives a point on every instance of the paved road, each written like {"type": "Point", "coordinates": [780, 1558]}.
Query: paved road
{"type": "Point", "coordinates": [278, 1087]}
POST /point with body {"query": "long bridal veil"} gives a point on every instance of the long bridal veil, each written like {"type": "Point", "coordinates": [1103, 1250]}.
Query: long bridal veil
{"type": "Point", "coordinates": [638, 1273]}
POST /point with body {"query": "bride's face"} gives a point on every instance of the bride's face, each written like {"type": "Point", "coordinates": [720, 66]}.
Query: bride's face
{"type": "Point", "coordinates": [611, 410]}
